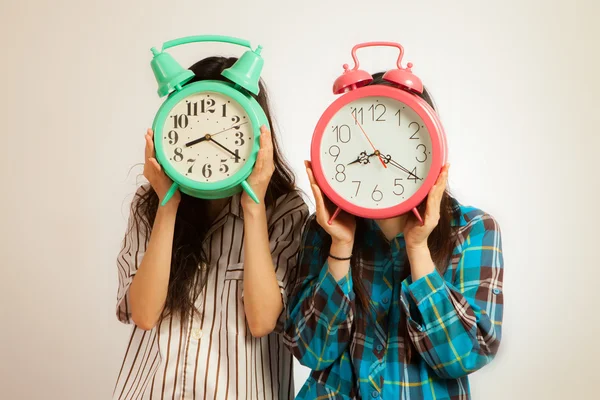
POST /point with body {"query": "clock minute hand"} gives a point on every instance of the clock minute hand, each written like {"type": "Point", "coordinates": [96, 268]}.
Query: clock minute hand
{"type": "Point", "coordinates": [224, 148]}
{"type": "Point", "coordinates": [395, 164]}
{"type": "Point", "coordinates": [369, 140]}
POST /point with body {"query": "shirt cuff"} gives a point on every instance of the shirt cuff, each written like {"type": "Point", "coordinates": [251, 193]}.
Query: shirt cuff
{"type": "Point", "coordinates": [333, 298]}
{"type": "Point", "coordinates": [345, 283]}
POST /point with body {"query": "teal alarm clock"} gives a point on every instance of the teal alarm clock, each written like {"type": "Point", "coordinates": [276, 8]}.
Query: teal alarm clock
{"type": "Point", "coordinates": [207, 133]}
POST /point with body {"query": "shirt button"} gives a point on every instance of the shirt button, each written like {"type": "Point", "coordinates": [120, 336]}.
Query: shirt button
{"type": "Point", "coordinates": [496, 291]}
{"type": "Point", "coordinates": [374, 394]}
{"type": "Point", "coordinates": [197, 334]}
{"type": "Point", "coordinates": [385, 300]}
{"type": "Point", "coordinates": [379, 347]}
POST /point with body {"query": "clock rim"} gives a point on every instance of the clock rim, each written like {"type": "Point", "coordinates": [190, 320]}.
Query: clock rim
{"type": "Point", "coordinates": [438, 152]}
{"type": "Point", "coordinates": [224, 88]}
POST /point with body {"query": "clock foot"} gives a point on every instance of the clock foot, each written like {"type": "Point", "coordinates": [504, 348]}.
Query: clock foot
{"type": "Point", "coordinates": [416, 212]}
{"type": "Point", "coordinates": [249, 191]}
{"type": "Point", "coordinates": [334, 216]}
{"type": "Point", "coordinates": [170, 193]}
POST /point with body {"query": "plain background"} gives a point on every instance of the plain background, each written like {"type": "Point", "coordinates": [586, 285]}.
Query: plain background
{"type": "Point", "coordinates": [517, 87]}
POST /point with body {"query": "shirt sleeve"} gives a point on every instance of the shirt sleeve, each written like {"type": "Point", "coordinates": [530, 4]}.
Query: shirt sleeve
{"type": "Point", "coordinates": [130, 256]}
{"type": "Point", "coordinates": [456, 326]}
{"type": "Point", "coordinates": [285, 236]}
{"type": "Point", "coordinates": [321, 309]}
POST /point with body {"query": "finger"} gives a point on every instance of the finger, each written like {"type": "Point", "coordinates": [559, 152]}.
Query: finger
{"type": "Point", "coordinates": [266, 138]}
{"type": "Point", "coordinates": [434, 199]}
{"type": "Point", "coordinates": [267, 144]}
{"type": "Point", "coordinates": [443, 174]}
{"type": "Point", "coordinates": [155, 164]}
{"type": "Point", "coordinates": [311, 177]}
{"type": "Point", "coordinates": [149, 144]}
{"type": "Point", "coordinates": [307, 164]}
{"type": "Point", "coordinates": [260, 161]}
{"type": "Point", "coordinates": [322, 212]}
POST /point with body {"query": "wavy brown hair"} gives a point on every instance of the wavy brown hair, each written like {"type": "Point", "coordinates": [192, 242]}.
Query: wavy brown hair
{"type": "Point", "coordinates": [187, 277]}
{"type": "Point", "coordinates": [440, 241]}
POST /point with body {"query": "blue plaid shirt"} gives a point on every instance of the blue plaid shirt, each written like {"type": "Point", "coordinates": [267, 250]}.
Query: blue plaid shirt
{"type": "Point", "coordinates": [452, 322]}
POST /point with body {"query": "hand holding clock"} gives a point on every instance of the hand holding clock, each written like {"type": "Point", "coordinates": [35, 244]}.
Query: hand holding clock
{"type": "Point", "coordinates": [415, 233]}
{"type": "Point", "coordinates": [157, 178]}
{"type": "Point", "coordinates": [341, 229]}
{"type": "Point", "coordinates": [263, 170]}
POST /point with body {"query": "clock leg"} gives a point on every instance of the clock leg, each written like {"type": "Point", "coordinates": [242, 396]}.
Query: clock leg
{"type": "Point", "coordinates": [334, 216]}
{"type": "Point", "coordinates": [170, 193]}
{"type": "Point", "coordinates": [416, 212]}
{"type": "Point", "coordinates": [249, 191]}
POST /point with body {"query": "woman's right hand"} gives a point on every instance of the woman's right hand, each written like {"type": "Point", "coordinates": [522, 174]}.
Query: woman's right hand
{"type": "Point", "coordinates": [342, 227]}
{"type": "Point", "coordinates": [154, 173]}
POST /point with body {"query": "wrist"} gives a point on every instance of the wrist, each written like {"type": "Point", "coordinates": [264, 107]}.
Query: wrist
{"type": "Point", "coordinates": [253, 210]}
{"type": "Point", "coordinates": [417, 247]}
{"type": "Point", "coordinates": [169, 209]}
{"type": "Point", "coordinates": [341, 249]}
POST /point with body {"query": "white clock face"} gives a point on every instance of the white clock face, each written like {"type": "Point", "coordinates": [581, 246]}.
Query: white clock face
{"type": "Point", "coordinates": [376, 152]}
{"type": "Point", "coordinates": [207, 137]}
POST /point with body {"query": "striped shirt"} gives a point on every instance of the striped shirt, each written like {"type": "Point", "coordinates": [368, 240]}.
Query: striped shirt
{"type": "Point", "coordinates": [213, 355]}
{"type": "Point", "coordinates": [453, 319]}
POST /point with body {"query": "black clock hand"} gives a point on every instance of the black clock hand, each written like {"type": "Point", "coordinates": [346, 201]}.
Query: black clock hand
{"type": "Point", "coordinates": [202, 139]}
{"type": "Point", "coordinates": [388, 159]}
{"type": "Point", "coordinates": [225, 148]}
{"type": "Point", "coordinates": [363, 158]}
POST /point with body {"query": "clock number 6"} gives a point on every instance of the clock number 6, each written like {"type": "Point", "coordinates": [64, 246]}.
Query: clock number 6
{"type": "Point", "coordinates": [206, 171]}
{"type": "Point", "coordinates": [377, 195]}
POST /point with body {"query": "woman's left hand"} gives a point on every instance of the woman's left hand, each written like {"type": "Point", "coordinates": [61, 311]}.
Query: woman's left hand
{"type": "Point", "coordinates": [263, 170]}
{"type": "Point", "coordinates": [415, 234]}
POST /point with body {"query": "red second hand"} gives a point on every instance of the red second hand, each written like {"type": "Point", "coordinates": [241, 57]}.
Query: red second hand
{"type": "Point", "coordinates": [371, 143]}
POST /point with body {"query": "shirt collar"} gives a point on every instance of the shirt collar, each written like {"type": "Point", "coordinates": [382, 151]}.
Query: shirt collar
{"type": "Point", "coordinates": [233, 207]}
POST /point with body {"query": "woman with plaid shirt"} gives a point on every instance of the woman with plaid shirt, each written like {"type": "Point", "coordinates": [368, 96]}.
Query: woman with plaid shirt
{"type": "Point", "coordinates": [392, 309]}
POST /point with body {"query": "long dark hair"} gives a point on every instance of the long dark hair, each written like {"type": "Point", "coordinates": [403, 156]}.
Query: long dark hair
{"type": "Point", "coordinates": [440, 241]}
{"type": "Point", "coordinates": [189, 262]}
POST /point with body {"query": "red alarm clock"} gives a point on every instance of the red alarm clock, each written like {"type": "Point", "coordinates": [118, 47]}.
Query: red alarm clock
{"type": "Point", "coordinates": [377, 150]}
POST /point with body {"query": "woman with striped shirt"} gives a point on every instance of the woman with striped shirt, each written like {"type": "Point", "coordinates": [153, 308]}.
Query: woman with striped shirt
{"type": "Point", "coordinates": [205, 282]}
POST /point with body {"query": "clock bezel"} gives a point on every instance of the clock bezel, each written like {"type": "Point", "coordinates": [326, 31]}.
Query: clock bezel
{"type": "Point", "coordinates": [438, 151]}
{"type": "Point", "coordinates": [226, 89]}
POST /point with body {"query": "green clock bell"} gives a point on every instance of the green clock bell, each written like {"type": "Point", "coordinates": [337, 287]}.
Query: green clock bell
{"type": "Point", "coordinates": [206, 134]}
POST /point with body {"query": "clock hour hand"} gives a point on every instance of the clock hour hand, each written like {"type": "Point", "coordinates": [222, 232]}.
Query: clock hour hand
{"type": "Point", "coordinates": [362, 158]}
{"type": "Point", "coordinates": [388, 159]}
{"type": "Point", "coordinates": [196, 141]}
{"type": "Point", "coordinates": [225, 148]}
